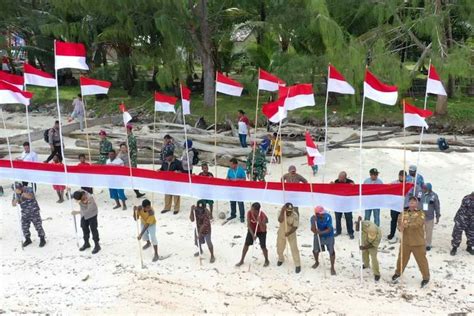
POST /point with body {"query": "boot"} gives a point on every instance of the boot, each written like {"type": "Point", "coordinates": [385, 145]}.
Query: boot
{"type": "Point", "coordinates": [96, 248]}
{"type": "Point", "coordinates": [85, 246]}
{"type": "Point", "coordinates": [147, 245]}
{"type": "Point", "coordinates": [155, 257]}
{"type": "Point", "coordinates": [424, 283]}
{"type": "Point", "coordinates": [42, 242]}
{"type": "Point", "coordinates": [453, 251]}
{"type": "Point", "coordinates": [27, 241]}
{"type": "Point", "coordinates": [470, 250]}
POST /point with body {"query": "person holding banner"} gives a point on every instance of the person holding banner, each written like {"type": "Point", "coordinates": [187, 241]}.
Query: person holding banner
{"type": "Point", "coordinates": [31, 156]}
{"type": "Point", "coordinates": [78, 112]}
{"type": "Point", "coordinates": [116, 194]}
{"type": "Point", "coordinates": [429, 203]}
{"type": "Point", "coordinates": [235, 173]}
{"type": "Point", "coordinates": [373, 179]}
{"type": "Point", "coordinates": [342, 178]}
{"type": "Point", "coordinates": [171, 164]}
{"type": "Point", "coordinates": [321, 226]}
{"type": "Point", "coordinates": [88, 211]}
{"type": "Point", "coordinates": [412, 171]}
{"type": "Point", "coordinates": [30, 213]}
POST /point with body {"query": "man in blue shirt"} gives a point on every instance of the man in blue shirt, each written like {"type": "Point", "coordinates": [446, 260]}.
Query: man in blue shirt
{"type": "Point", "coordinates": [321, 226]}
{"type": "Point", "coordinates": [412, 173]}
{"type": "Point", "coordinates": [373, 179]}
{"type": "Point", "coordinates": [236, 173]}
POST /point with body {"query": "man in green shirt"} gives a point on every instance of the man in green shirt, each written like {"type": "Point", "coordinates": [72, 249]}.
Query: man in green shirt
{"type": "Point", "coordinates": [370, 240]}
{"type": "Point", "coordinates": [105, 146]}
{"type": "Point", "coordinates": [258, 162]}
{"type": "Point", "coordinates": [133, 151]}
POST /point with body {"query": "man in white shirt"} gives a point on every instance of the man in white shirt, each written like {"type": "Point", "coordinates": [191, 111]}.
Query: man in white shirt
{"type": "Point", "coordinates": [243, 125]}
{"type": "Point", "coordinates": [116, 194]}
{"type": "Point", "coordinates": [28, 155]}
{"type": "Point", "coordinates": [78, 112]}
{"type": "Point", "coordinates": [373, 179]}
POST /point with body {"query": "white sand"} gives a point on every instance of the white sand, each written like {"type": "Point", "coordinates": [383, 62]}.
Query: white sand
{"type": "Point", "coordinates": [60, 279]}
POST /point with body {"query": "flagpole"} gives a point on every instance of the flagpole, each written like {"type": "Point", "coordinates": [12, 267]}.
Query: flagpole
{"type": "Point", "coordinates": [85, 126]}
{"type": "Point", "coordinates": [360, 182]}
{"type": "Point", "coordinates": [190, 182]}
{"type": "Point", "coordinates": [255, 130]}
{"type": "Point", "coordinates": [28, 122]}
{"type": "Point", "coordinates": [11, 165]}
{"type": "Point", "coordinates": [326, 121]}
{"type": "Point", "coordinates": [215, 136]}
{"type": "Point", "coordinates": [133, 187]}
{"type": "Point", "coordinates": [153, 141]}
{"type": "Point", "coordinates": [403, 187]}
{"type": "Point", "coordinates": [422, 130]}
{"type": "Point", "coordinates": [61, 140]}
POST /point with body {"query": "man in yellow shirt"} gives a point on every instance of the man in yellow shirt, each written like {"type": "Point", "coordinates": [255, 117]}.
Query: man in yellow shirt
{"type": "Point", "coordinates": [148, 224]}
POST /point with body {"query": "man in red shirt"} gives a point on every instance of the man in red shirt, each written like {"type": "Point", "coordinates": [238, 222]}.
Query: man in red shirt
{"type": "Point", "coordinates": [257, 228]}
{"type": "Point", "coordinates": [82, 162]}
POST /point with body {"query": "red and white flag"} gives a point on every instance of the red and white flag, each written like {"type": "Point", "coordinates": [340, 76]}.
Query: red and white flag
{"type": "Point", "coordinates": [228, 86]}
{"type": "Point", "coordinates": [275, 111]}
{"type": "Point", "coordinates": [70, 55]}
{"type": "Point", "coordinates": [36, 77]}
{"type": "Point", "coordinates": [337, 83]}
{"type": "Point", "coordinates": [297, 96]}
{"type": "Point", "coordinates": [186, 100]}
{"type": "Point", "coordinates": [269, 82]}
{"type": "Point", "coordinates": [434, 84]}
{"type": "Point", "coordinates": [378, 91]}
{"type": "Point", "coordinates": [126, 116]}
{"type": "Point", "coordinates": [413, 116]}
{"type": "Point", "coordinates": [164, 103]}
{"type": "Point", "coordinates": [10, 94]}
{"type": "Point", "coordinates": [93, 86]}
{"type": "Point", "coordinates": [17, 81]}
{"type": "Point", "coordinates": [312, 153]}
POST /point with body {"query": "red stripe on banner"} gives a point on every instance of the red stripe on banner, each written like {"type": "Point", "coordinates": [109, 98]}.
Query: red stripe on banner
{"type": "Point", "coordinates": [375, 83]}
{"type": "Point", "coordinates": [84, 81]}
{"type": "Point", "coordinates": [343, 190]}
{"type": "Point", "coordinates": [70, 49]}
{"type": "Point", "coordinates": [28, 69]}
{"type": "Point", "coordinates": [223, 79]}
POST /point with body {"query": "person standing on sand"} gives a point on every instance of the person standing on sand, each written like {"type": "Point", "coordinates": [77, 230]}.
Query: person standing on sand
{"type": "Point", "coordinates": [370, 241]}
{"type": "Point", "coordinates": [54, 141]}
{"type": "Point", "coordinates": [59, 188]}
{"type": "Point", "coordinates": [78, 112]}
{"type": "Point", "coordinates": [419, 178]}
{"type": "Point", "coordinates": [236, 173]}
{"type": "Point", "coordinates": [205, 173]}
{"type": "Point", "coordinates": [321, 225]}
{"type": "Point", "coordinates": [30, 156]}
{"type": "Point", "coordinates": [289, 222]}
{"type": "Point", "coordinates": [132, 148]}
{"type": "Point", "coordinates": [203, 230]}
{"type": "Point", "coordinates": [168, 147]}
{"type": "Point", "coordinates": [276, 148]}
{"type": "Point", "coordinates": [83, 162]}
{"type": "Point", "coordinates": [373, 179]}
{"type": "Point", "coordinates": [30, 213]}
{"type": "Point", "coordinates": [105, 146]}
{"type": "Point", "coordinates": [171, 164]}
{"type": "Point", "coordinates": [188, 152]}
{"type": "Point", "coordinates": [342, 178]}
{"type": "Point", "coordinates": [411, 223]}
{"type": "Point", "coordinates": [88, 212]}
{"type": "Point", "coordinates": [243, 125]}
{"type": "Point", "coordinates": [464, 221]}
{"type": "Point", "coordinates": [429, 203]}
{"type": "Point", "coordinates": [256, 228]}
{"type": "Point", "coordinates": [148, 224]}
{"type": "Point", "coordinates": [258, 162]}
{"type": "Point", "coordinates": [116, 194]}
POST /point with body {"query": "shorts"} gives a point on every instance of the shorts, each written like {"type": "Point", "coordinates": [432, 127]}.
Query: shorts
{"type": "Point", "coordinates": [206, 202]}
{"type": "Point", "coordinates": [262, 237]}
{"type": "Point", "coordinates": [206, 239]}
{"type": "Point", "coordinates": [117, 194]}
{"type": "Point", "coordinates": [325, 241]}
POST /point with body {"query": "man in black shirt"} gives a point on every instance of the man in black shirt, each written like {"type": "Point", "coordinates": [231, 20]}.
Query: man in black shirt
{"type": "Point", "coordinates": [342, 178]}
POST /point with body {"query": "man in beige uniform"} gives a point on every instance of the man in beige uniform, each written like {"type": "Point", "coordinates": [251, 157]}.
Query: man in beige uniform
{"type": "Point", "coordinates": [370, 241]}
{"type": "Point", "coordinates": [411, 223]}
{"type": "Point", "coordinates": [289, 221]}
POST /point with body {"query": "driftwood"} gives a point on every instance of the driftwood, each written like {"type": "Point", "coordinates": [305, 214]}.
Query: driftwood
{"type": "Point", "coordinates": [411, 148]}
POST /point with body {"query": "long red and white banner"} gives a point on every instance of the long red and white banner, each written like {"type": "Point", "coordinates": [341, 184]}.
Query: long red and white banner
{"type": "Point", "coordinates": [337, 197]}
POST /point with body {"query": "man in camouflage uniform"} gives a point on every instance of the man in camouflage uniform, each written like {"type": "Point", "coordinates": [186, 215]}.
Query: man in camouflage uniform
{"type": "Point", "coordinates": [259, 166]}
{"type": "Point", "coordinates": [30, 213]}
{"type": "Point", "coordinates": [411, 224]}
{"type": "Point", "coordinates": [105, 146]}
{"type": "Point", "coordinates": [168, 147]}
{"type": "Point", "coordinates": [133, 151]}
{"type": "Point", "coordinates": [464, 221]}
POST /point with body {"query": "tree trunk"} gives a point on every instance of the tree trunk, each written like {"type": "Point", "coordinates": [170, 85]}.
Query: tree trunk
{"type": "Point", "coordinates": [125, 72]}
{"type": "Point", "coordinates": [206, 54]}
{"type": "Point", "coordinates": [441, 105]}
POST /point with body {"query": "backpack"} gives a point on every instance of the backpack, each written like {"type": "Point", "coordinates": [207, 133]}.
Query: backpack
{"type": "Point", "coordinates": [195, 156]}
{"type": "Point", "coordinates": [442, 144]}
{"type": "Point", "coordinates": [46, 135]}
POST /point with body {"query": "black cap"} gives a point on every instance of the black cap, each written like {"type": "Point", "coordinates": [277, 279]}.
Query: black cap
{"type": "Point", "coordinates": [374, 171]}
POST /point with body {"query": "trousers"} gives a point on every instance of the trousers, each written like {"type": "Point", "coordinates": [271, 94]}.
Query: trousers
{"type": "Point", "coordinates": [88, 226]}
{"type": "Point", "coordinates": [150, 234]}
{"type": "Point", "coordinates": [429, 225]}
{"type": "Point", "coordinates": [281, 245]}
{"type": "Point", "coordinates": [457, 234]}
{"type": "Point", "coordinates": [233, 209]}
{"type": "Point", "coordinates": [169, 199]}
{"type": "Point", "coordinates": [28, 217]}
{"type": "Point", "coordinates": [56, 151]}
{"type": "Point", "coordinates": [376, 216]}
{"type": "Point", "coordinates": [419, 252]}
{"type": "Point", "coordinates": [372, 253]}
{"type": "Point", "coordinates": [348, 217]}
{"type": "Point", "coordinates": [393, 222]}
{"type": "Point", "coordinates": [243, 140]}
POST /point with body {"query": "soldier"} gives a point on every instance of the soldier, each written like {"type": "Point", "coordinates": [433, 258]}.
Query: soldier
{"type": "Point", "coordinates": [30, 213]}
{"type": "Point", "coordinates": [289, 221]}
{"type": "Point", "coordinates": [256, 159]}
{"type": "Point", "coordinates": [464, 221]}
{"type": "Point", "coordinates": [429, 203]}
{"type": "Point", "coordinates": [370, 241]}
{"type": "Point", "coordinates": [132, 148]}
{"type": "Point", "coordinates": [411, 224]}
{"type": "Point", "coordinates": [105, 146]}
